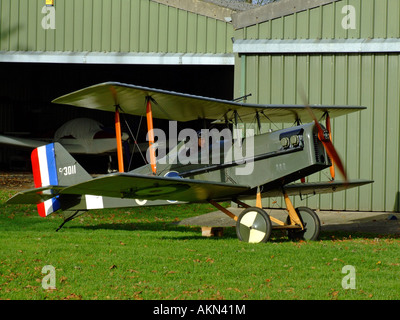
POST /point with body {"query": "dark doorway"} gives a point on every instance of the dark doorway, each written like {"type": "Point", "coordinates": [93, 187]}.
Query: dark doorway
{"type": "Point", "coordinates": [27, 89]}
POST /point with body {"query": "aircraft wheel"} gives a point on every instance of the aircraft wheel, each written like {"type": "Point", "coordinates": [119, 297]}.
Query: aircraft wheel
{"type": "Point", "coordinates": [311, 223]}
{"type": "Point", "coordinates": [253, 225]}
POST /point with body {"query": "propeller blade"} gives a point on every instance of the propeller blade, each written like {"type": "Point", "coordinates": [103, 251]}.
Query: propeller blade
{"type": "Point", "coordinates": [328, 127]}
{"type": "Point", "coordinates": [324, 137]}
{"type": "Point", "coordinates": [333, 155]}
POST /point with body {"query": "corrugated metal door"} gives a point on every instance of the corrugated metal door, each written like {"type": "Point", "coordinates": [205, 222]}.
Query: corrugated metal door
{"type": "Point", "coordinates": [368, 141]}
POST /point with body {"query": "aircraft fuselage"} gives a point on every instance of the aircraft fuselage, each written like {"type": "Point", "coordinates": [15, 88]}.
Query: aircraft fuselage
{"type": "Point", "coordinates": [269, 159]}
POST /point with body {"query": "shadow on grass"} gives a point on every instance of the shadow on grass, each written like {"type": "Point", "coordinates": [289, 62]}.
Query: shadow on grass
{"type": "Point", "coordinates": [194, 232]}
{"type": "Point", "coordinates": [144, 226]}
{"type": "Point", "coordinates": [184, 232]}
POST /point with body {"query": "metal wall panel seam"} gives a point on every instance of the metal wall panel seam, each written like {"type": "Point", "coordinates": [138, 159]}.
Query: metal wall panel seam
{"type": "Point", "coordinates": [317, 46]}
{"type": "Point", "coordinates": [117, 58]}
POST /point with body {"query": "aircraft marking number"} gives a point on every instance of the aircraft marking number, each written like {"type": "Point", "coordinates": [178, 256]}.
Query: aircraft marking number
{"type": "Point", "coordinates": [280, 167]}
{"type": "Point", "coordinates": [68, 170]}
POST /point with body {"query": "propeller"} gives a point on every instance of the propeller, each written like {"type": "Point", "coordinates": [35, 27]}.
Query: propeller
{"type": "Point", "coordinates": [326, 138]}
{"type": "Point", "coordinates": [328, 127]}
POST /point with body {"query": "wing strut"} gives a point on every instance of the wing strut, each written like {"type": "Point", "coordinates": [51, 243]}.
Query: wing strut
{"type": "Point", "coordinates": [118, 134]}
{"type": "Point", "coordinates": [119, 140]}
{"type": "Point", "coordinates": [150, 131]}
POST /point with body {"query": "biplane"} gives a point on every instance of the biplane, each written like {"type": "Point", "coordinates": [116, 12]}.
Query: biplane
{"type": "Point", "coordinates": [277, 160]}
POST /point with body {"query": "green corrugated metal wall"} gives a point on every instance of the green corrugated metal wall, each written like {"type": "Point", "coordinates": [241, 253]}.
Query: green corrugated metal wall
{"type": "Point", "coordinates": [110, 26]}
{"type": "Point", "coordinates": [369, 141]}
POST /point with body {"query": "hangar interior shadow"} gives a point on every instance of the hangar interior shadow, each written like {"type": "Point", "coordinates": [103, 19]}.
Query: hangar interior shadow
{"type": "Point", "coordinates": [27, 89]}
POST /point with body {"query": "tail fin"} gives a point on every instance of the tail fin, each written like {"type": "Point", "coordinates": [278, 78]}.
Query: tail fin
{"type": "Point", "coordinates": [52, 165]}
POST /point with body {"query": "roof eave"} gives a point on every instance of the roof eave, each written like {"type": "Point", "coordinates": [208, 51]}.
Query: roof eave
{"type": "Point", "coordinates": [200, 7]}
{"type": "Point", "coordinates": [274, 10]}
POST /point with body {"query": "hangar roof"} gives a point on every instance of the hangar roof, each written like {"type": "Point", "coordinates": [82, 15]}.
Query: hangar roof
{"type": "Point", "coordinates": [132, 32]}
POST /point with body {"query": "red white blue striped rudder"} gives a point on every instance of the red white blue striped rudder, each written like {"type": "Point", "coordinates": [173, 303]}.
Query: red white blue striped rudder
{"type": "Point", "coordinates": [45, 174]}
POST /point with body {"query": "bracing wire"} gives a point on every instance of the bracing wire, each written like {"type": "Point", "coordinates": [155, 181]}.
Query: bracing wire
{"type": "Point", "coordinates": [134, 138]}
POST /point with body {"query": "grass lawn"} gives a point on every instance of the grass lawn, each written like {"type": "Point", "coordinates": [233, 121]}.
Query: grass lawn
{"type": "Point", "coordinates": [137, 253]}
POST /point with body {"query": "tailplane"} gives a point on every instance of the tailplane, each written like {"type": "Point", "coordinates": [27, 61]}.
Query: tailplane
{"type": "Point", "coordinates": [53, 166]}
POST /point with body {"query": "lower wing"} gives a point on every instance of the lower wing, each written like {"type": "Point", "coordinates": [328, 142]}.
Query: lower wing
{"type": "Point", "coordinates": [307, 188]}
{"type": "Point", "coordinates": [125, 190]}
{"type": "Point", "coordinates": [134, 186]}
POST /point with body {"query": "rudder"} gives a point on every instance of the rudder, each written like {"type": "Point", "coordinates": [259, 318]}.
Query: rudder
{"type": "Point", "coordinates": [44, 167]}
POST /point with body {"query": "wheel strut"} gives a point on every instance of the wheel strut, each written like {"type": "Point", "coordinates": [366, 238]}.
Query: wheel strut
{"type": "Point", "coordinates": [294, 217]}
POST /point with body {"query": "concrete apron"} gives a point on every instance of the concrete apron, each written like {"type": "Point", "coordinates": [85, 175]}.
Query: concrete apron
{"type": "Point", "coordinates": [354, 221]}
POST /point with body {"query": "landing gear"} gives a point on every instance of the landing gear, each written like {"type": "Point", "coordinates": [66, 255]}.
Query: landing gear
{"type": "Point", "coordinates": [311, 225]}
{"type": "Point", "coordinates": [253, 225]}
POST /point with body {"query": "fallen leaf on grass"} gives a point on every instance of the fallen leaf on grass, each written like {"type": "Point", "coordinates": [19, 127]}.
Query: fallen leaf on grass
{"type": "Point", "coordinates": [51, 289]}
{"type": "Point", "coordinates": [73, 296]}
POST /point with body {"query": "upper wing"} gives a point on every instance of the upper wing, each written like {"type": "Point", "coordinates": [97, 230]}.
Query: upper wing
{"type": "Point", "coordinates": [21, 142]}
{"type": "Point", "coordinates": [184, 107]}
{"type": "Point", "coordinates": [76, 148]}
{"type": "Point", "coordinates": [135, 186]}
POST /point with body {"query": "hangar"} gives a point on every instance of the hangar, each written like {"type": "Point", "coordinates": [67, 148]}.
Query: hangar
{"type": "Point", "coordinates": [337, 51]}
{"type": "Point", "coordinates": [46, 52]}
